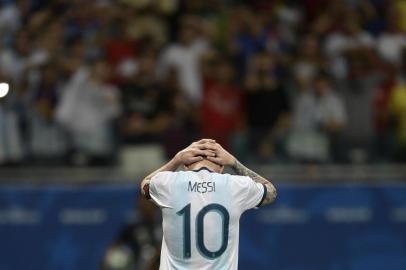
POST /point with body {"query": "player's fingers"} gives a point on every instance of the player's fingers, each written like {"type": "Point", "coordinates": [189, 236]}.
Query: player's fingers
{"type": "Point", "coordinates": [207, 145]}
{"type": "Point", "coordinates": [202, 152]}
{"type": "Point", "coordinates": [208, 140]}
{"type": "Point", "coordinates": [195, 144]}
{"type": "Point", "coordinates": [208, 153]}
{"type": "Point", "coordinates": [195, 159]}
{"type": "Point", "coordinates": [219, 146]}
{"type": "Point", "coordinates": [216, 160]}
{"type": "Point", "coordinates": [202, 141]}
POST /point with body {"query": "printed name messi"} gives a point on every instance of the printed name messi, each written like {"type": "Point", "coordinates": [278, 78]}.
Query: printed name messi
{"type": "Point", "coordinates": [201, 187]}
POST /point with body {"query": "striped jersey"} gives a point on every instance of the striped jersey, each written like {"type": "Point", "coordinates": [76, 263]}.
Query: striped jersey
{"type": "Point", "coordinates": [200, 215]}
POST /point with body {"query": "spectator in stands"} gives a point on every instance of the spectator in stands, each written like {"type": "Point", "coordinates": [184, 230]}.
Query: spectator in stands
{"type": "Point", "coordinates": [401, 6]}
{"type": "Point", "coordinates": [72, 59]}
{"type": "Point", "coordinates": [10, 16]}
{"type": "Point", "coordinates": [267, 107]}
{"type": "Point", "coordinates": [384, 142]}
{"type": "Point", "coordinates": [14, 60]}
{"type": "Point", "coordinates": [146, 104]}
{"type": "Point", "coordinates": [397, 112]}
{"type": "Point", "coordinates": [359, 91]}
{"type": "Point", "coordinates": [307, 62]}
{"type": "Point", "coordinates": [11, 138]}
{"type": "Point", "coordinates": [222, 109]}
{"type": "Point", "coordinates": [391, 42]}
{"type": "Point", "coordinates": [259, 37]}
{"type": "Point", "coordinates": [147, 26]}
{"type": "Point", "coordinates": [331, 114]}
{"type": "Point", "coordinates": [121, 49]}
{"type": "Point", "coordinates": [318, 119]}
{"type": "Point", "coordinates": [46, 140]}
{"type": "Point", "coordinates": [185, 56]}
{"type": "Point", "coordinates": [87, 108]}
{"type": "Point", "coordinates": [306, 141]}
{"type": "Point", "coordinates": [183, 126]}
{"type": "Point", "coordinates": [249, 38]}
{"type": "Point", "coordinates": [138, 244]}
{"type": "Point", "coordinates": [351, 37]}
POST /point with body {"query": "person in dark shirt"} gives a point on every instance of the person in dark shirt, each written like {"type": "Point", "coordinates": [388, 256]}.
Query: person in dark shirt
{"type": "Point", "coordinates": [267, 108]}
{"type": "Point", "coordinates": [47, 140]}
{"type": "Point", "coordinates": [222, 107]}
{"type": "Point", "coordinates": [146, 105]}
{"type": "Point", "coordinates": [138, 244]}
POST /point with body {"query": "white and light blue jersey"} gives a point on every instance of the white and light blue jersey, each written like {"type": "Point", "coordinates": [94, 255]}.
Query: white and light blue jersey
{"type": "Point", "coordinates": [201, 212]}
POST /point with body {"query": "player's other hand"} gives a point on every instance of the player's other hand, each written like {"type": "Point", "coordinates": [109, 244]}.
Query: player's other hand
{"type": "Point", "coordinates": [222, 157]}
{"type": "Point", "coordinates": [196, 152]}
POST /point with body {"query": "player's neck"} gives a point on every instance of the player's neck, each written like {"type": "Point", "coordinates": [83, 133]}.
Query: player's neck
{"type": "Point", "coordinates": [205, 164]}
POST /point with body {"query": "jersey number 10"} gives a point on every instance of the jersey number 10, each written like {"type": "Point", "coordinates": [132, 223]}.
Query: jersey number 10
{"type": "Point", "coordinates": [225, 216]}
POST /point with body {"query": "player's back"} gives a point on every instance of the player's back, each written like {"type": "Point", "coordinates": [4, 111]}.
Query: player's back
{"type": "Point", "coordinates": [201, 212]}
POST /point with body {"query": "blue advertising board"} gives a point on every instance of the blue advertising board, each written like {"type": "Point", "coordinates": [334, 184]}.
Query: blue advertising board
{"type": "Point", "coordinates": [309, 227]}
{"type": "Point", "coordinates": [328, 228]}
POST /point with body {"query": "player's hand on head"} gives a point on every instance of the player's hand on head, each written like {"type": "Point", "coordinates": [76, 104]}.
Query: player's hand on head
{"type": "Point", "coordinates": [196, 152]}
{"type": "Point", "coordinates": [204, 142]}
{"type": "Point", "coordinates": [222, 157]}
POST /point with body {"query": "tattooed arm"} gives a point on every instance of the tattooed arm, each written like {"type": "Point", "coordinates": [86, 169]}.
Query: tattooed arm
{"type": "Point", "coordinates": [270, 188]}
{"type": "Point", "coordinates": [226, 159]}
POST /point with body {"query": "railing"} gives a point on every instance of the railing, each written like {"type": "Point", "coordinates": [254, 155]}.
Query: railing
{"type": "Point", "coordinates": [280, 173]}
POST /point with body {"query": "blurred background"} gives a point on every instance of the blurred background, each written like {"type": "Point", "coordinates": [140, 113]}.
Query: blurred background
{"type": "Point", "coordinates": [96, 94]}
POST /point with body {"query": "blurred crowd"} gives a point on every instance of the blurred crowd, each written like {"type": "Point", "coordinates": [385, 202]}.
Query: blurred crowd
{"type": "Point", "coordinates": [273, 80]}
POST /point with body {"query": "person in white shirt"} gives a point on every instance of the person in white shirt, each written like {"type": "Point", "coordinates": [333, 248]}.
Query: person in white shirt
{"type": "Point", "coordinates": [201, 206]}
{"type": "Point", "coordinates": [337, 45]}
{"type": "Point", "coordinates": [391, 43]}
{"type": "Point", "coordinates": [87, 108]}
{"type": "Point", "coordinates": [184, 57]}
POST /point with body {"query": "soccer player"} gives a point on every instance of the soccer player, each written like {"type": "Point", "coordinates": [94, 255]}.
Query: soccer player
{"type": "Point", "coordinates": [201, 206]}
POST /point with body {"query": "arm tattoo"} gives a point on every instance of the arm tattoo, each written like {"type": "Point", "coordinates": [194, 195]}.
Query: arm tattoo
{"type": "Point", "coordinates": [244, 171]}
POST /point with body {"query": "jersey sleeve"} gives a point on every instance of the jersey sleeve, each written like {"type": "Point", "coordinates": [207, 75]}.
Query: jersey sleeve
{"type": "Point", "coordinates": [250, 193]}
{"type": "Point", "coordinates": [160, 189]}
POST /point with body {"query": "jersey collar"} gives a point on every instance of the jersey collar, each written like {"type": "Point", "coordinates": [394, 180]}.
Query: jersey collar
{"type": "Point", "coordinates": [202, 168]}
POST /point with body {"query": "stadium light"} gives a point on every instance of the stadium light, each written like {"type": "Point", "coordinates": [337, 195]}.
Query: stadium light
{"type": "Point", "coordinates": [4, 88]}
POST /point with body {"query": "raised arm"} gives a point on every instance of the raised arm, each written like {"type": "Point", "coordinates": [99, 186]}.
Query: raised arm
{"type": "Point", "coordinates": [270, 188]}
{"type": "Point", "coordinates": [193, 153]}
{"type": "Point", "coordinates": [226, 159]}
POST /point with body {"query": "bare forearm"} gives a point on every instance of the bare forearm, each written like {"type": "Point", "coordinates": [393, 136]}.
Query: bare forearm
{"type": "Point", "coordinates": [172, 165]}
{"type": "Point", "coordinates": [244, 171]}
{"type": "Point", "coordinates": [240, 169]}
